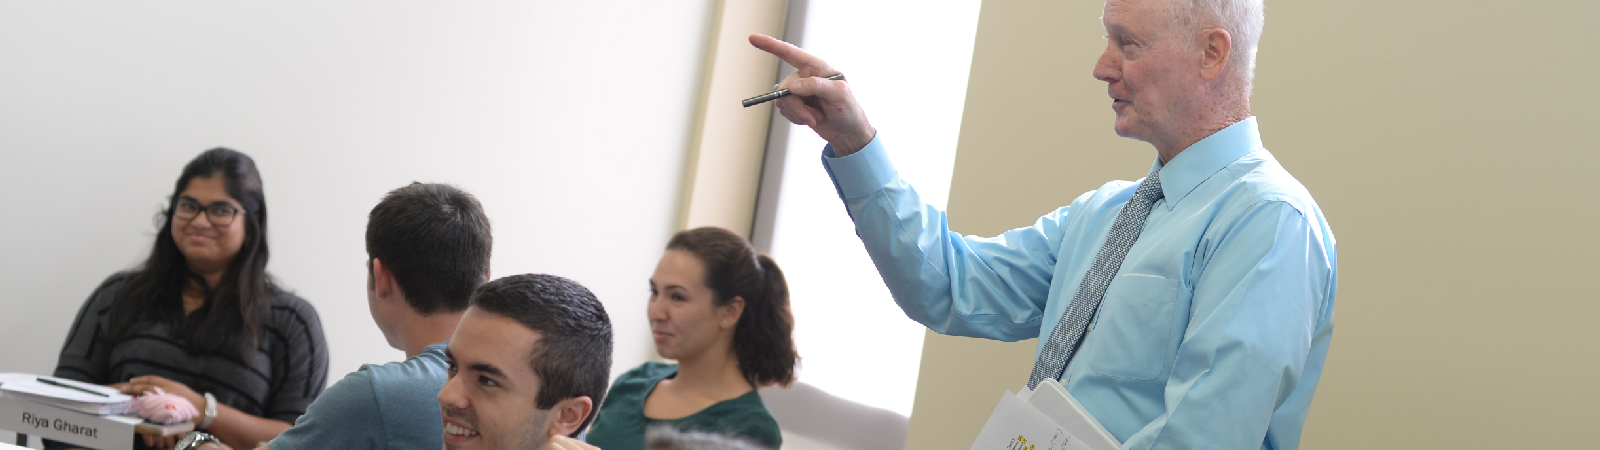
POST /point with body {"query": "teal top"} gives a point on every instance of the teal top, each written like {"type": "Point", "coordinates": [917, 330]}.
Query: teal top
{"type": "Point", "coordinates": [621, 423]}
{"type": "Point", "coordinates": [387, 406]}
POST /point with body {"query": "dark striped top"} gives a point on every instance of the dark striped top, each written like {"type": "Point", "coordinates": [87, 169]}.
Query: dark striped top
{"type": "Point", "coordinates": [287, 372]}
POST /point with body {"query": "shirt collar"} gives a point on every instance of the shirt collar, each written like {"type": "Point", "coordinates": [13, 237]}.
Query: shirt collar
{"type": "Point", "coordinates": [1200, 161]}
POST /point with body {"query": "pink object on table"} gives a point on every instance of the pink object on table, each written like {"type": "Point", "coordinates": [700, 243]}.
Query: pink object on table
{"type": "Point", "coordinates": [163, 408]}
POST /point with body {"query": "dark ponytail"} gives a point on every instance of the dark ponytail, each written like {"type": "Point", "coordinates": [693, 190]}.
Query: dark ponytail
{"type": "Point", "coordinates": [763, 341]}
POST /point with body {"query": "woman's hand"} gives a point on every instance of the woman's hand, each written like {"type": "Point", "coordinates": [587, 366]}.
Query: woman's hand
{"type": "Point", "coordinates": [237, 428]}
{"type": "Point", "coordinates": [149, 383]}
{"type": "Point", "coordinates": [159, 441]}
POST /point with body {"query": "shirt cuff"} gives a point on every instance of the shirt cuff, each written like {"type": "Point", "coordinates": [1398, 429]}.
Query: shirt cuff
{"type": "Point", "coordinates": [863, 172]}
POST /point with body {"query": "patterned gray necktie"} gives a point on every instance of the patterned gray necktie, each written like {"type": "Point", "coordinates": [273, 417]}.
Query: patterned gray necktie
{"type": "Point", "coordinates": [1069, 331]}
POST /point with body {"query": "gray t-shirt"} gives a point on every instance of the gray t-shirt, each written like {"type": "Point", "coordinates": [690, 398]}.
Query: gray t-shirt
{"type": "Point", "coordinates": [393, 405]}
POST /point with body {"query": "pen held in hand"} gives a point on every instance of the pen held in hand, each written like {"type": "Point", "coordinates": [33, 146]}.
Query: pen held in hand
{"type": "Point", "coordinates": [781, 93]}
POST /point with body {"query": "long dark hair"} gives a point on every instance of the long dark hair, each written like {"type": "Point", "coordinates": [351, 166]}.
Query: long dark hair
{"type": "Point", "coordinates": [230, 322]}
{"type": "Point", "coordinates": [764, 338]}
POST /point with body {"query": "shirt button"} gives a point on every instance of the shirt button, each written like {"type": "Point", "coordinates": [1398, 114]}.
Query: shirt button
{"type": "Point", "coordinates": [1091, 326]}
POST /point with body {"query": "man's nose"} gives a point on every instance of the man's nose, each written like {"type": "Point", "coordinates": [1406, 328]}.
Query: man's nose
{"type": "Point", "coordinates": [1106, 68]}
{"type": "Point", "coordinates": [448, 394]}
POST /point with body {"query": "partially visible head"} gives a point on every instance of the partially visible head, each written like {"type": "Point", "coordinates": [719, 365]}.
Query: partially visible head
{"type": "Point", "coordinates": [713, 292]}
{"type": "Point", "coordinates": [663, 437]}
{"type": "Point", "coordinates": [1172, 65]}
{"type": "Point", "coordinates": [431, 242]}
{"type": "Point", "coordinates": [530, 360]}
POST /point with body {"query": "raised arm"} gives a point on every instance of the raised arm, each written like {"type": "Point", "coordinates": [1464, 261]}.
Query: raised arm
{"type": "Point", "coordinates": [826, 106]}
{"type": "Point", "coordinates": [993, 288]}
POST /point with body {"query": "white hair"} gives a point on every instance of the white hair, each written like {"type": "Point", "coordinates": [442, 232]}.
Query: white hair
{"type": "Point", "coordinates": [1242, 19]}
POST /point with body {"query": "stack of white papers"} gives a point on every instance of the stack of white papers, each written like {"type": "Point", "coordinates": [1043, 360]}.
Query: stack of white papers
{"type": "Point", "coordinates": [69, 394]}
{"type": "Point", "coordinates": [1045, 418]}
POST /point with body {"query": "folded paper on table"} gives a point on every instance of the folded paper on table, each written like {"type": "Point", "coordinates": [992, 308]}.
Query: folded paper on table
{"type": "Point", "coordinates": [30, 387]}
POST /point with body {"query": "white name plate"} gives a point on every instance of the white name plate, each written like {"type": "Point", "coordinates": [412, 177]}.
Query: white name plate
{"type": "Point", "coordinates": [88, 430]}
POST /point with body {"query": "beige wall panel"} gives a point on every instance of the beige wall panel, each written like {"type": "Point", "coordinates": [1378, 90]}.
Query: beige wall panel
{"type": "Point", "coordinates": [1451, 145]}
{"type": "Point", "coordinates": [729, 140]}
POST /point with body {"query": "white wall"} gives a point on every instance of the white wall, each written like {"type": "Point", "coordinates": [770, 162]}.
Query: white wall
{"type": "Point", "coordinates": [908, 67]}
{"type": "Point", "coordinates": [568, 120]}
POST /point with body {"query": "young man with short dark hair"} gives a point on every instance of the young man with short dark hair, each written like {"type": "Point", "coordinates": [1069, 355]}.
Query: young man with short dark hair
{"type": "Point", "coordinates": [428, 248]}
{"type": "Point", "coordinates": [529, 363]}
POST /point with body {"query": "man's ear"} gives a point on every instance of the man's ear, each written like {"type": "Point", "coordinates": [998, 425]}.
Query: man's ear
{"type": "Point", "coordinates": [569, 415]}
{"type": "Point", "coordinates": [383, 280]}
{"type": "Point", "coordinates": [1216, 45]}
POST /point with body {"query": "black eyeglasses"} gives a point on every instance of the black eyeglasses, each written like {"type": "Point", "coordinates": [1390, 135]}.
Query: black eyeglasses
{"type": "Point", "coordinates": [220, 214]}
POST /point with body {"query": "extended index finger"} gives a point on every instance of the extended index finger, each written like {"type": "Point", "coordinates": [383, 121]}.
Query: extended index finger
{"type": "Point", "coordinates": [789, 53]}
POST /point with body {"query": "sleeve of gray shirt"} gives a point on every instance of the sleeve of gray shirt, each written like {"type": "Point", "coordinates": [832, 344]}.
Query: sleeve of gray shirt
{"type": "Point", "coordinates": [83, 357]}
{"type": "Point", "coordinates": [345, 416]}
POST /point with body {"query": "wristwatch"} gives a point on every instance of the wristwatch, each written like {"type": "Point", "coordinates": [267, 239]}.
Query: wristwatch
{"type": "Point", "coordinates": [193, 439]}
{"type": "Point", "coordinates": [210, 413]}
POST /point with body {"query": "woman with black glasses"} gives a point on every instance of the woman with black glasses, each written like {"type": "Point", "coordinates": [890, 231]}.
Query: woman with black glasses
{"type": "Point", "coordinates": [200, 318]}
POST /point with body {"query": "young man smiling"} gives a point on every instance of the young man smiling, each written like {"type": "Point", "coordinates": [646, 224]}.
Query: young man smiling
{"type": "Point", "coordinates": [528, 365]}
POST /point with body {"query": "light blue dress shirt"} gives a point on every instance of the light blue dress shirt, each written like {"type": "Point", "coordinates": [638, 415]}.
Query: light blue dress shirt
{"type": "Point", "coordinates": [1213, 332]}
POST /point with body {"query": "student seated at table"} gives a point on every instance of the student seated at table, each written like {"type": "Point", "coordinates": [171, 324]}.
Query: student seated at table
{"type": "Point", "coordinates": [428, 248]}
{"type": "Point", "coordinates": [722, 311]}
{"type": "Point", "coordinates": [200, 318]}
{"type": "Point", "coordinates": [527, 364]}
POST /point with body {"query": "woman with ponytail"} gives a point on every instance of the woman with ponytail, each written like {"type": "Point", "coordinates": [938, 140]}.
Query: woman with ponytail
{"type": "Point", "coordinates": [720, 310]}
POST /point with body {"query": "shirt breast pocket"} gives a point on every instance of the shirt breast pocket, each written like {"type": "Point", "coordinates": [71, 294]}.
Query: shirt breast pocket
{"type": "Point", "coordinates": [1136, 333]}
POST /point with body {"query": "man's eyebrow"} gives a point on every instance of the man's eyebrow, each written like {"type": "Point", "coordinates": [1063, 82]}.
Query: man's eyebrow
{"type": "Point", "coordinates": [1115, 28]}
{"type": "Point", "coordinates": [489, 369]}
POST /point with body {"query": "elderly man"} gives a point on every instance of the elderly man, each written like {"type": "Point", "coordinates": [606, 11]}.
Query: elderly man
{"type": "Point", "coordinates": [1190, 309]}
